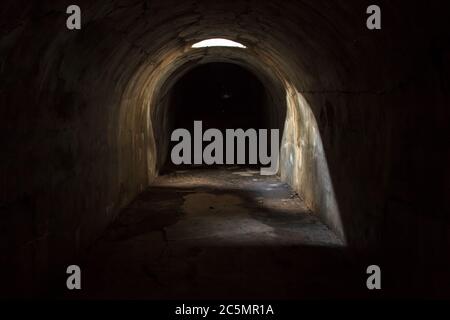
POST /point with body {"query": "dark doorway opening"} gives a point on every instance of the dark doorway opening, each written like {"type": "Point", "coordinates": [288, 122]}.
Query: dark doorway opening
{"type": "Point", "coordinates": [222, 96]}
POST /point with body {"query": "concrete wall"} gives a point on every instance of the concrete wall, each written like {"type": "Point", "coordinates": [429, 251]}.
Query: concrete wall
{"type": "Point", "coordinates": [304, 163]}
{"type": "Point", "coordinates": [79, 112]}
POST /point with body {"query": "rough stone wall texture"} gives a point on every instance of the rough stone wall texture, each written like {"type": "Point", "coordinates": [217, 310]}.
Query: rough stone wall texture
{"type": "Point", "coordinates": [79, 111]}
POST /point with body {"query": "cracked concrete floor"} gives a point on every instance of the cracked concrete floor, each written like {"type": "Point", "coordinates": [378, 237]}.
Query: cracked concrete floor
{"type": "Point", "coordinates": [216, 233]}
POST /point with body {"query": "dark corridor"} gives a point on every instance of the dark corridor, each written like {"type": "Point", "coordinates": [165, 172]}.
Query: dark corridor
{"type": "Point", "coordinates": [87, 110]}
{"type": "Point", "coordinates": [222, 96]}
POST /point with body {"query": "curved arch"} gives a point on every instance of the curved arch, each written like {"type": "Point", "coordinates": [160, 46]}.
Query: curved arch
{"type": "Point", "coordinates": [78, 138]}
{"type": "Point", "coordinates": [303, 162]}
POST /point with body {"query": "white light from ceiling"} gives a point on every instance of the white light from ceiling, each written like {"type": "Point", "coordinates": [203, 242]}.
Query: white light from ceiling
{"type": "Point", "coordinates": [218, 42]}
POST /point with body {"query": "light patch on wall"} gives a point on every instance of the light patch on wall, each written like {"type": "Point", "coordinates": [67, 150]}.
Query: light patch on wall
{"type": "Point", "coordinates": [303, 161]}
{"type": "Point", "coordinates": [218, 42]}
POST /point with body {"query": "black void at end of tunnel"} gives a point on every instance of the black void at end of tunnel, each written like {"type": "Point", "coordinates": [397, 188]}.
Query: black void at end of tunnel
{"type": "Point", "coordinates": [222, 96]}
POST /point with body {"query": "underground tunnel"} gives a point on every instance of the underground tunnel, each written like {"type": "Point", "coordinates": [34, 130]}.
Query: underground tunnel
{"type": "Point", "coordinates": [87, 179]}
